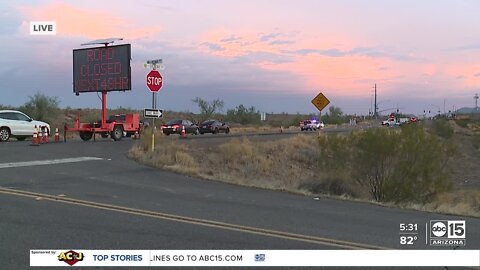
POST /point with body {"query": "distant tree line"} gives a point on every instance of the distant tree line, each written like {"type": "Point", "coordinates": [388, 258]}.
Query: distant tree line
{"type": "Point", "coordinates": [335, 115]}
{"type": "Point", "coordinates": [240, 114]}
{"type": "Point", "coordinates": [39, 107]}
{"type": "Point", "coordinates": [45, 108]}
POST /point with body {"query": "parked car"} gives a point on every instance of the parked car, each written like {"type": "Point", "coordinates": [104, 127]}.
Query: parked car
{"type": "Point", "coordinates": [18, 125]}
{"type": "Point", "coordinates": [214, 127]}
{"type": "Point", "coordinates": [175, 127]}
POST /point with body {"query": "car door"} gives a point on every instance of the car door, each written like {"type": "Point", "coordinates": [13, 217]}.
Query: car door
{"type": "Point", "coordinates": [16, 126]}
{"type": "Point", "coordinates": [23, 124]}
{"type": "Point", "coordinates": [6, 119]}
{"type": "Point", "coordinates": [220, 126]}
{"type": "Point", "coordinates": [191, 128]}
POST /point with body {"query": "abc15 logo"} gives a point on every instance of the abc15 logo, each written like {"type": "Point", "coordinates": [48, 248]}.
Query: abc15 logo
{"type": "Point", "coordinates": [452, 229]}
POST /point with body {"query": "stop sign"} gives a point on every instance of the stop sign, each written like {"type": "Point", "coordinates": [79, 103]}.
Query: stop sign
{"type": "Point", "coordinates": [154, 80]}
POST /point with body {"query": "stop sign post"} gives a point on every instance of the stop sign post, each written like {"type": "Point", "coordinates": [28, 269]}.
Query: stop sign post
{"type": "Point", "coordinates": [154, 81]}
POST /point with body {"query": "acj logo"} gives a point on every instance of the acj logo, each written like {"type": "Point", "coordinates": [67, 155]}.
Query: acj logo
{"type": "Point", "coordinates": [71, 257]}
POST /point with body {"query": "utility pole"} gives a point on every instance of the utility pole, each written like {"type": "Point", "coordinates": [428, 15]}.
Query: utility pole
{"type": "Point", "coordinates": [476, 101]}
{"type": "Point", "coordinates": [375, 108]}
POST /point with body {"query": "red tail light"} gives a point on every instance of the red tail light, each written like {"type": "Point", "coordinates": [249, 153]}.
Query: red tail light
{"type": "Point", "coordinates": [175, 126]}
{"type": "Point", "coordinates": [163, 126]}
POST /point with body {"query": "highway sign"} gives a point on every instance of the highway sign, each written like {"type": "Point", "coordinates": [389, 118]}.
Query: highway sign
{"type": "Point", "coordinates": [320, 101]}
{"type": "Point", "coordinates": [152, 113]}
{"type": "Point", "coordinates": [154, 81]}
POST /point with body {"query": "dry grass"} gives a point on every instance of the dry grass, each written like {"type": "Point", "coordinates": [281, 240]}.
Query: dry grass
{"type": "Point", "coordinates": [463, 202]}
{"type": "Point", "coordinates": [167, 155]}
{"type": "Point", "coordinates": [288, 165]}
{"type": "Point", "coordinates": [282, 165]}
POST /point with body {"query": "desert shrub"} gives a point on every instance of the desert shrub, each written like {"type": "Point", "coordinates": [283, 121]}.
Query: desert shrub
{"type": "Point", "coordinates": [146, 138]}
{"type": "Point", "coordinates": [442, 128]}
{"type": "Point", "coordinates": [460, 202]}
{"type": "Point", "coordinates": [243, 115]}
{"type": "Point", "coordinates": [476, 140]}
{"type": "Point", "coordinates": [420, 167]}
{"type": "Point", "coordinates": [41, 107]}
{"type": "Point", "coordinates": [243, 157]}
{"type": "Point", "coordinates": [167, 154]}
{"type": "Point", "coordinates": [5, 107]}
{"type": "Point", "coordinates": [374, 160]}
{"type": "Point", "coordinates": [334, 152]}
{"type": "Point", "coordinates": [335, 116]}
{"type": "Point", "coordinates": [208, 109]}
{"type": "Point", "coordinates": [392, 166]}
{"type": "Point", "coordinates": [296, 120]}
{"type": "Point", "coordinates": [463, 122]}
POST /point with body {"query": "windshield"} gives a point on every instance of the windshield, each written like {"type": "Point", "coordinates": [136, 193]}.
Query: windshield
{"type": "Point", "coordinates": [174, 122]}
{"type": "Point", "coordinates": [117, 117]}
{"type": "Point", "coordinates": [208, 122]}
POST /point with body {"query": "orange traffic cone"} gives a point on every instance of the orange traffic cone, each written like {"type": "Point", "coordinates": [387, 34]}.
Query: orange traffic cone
{"type": "Point", "coordinates": [40, 135]}
{"type": "Point", "coordinates": [136, 136]}
{"type": "Point", "coordinates": [35, 137]}
{"type": "Point", "coordinates": [183, 132]}
{"type": "Point", "coordinates": [57, 136]}
{"type": "Point", "coordinates": [45, 135]}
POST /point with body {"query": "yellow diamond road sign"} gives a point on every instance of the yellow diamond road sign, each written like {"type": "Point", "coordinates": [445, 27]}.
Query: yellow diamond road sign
{"type": "Point", "coordinates": [320, 101]}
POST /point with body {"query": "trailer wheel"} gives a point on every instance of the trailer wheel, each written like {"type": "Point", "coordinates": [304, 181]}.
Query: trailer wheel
{"type": "Point", "coordinates": [117, 133]}
{"type": "Point", "coordinates": [86, 135]}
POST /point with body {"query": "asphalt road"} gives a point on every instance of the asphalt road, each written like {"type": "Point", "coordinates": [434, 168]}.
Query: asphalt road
{"type": "Point", "coordinates": [114, 203]}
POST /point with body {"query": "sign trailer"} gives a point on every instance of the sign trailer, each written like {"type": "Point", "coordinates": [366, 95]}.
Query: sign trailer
{"type": "Point", "coordinates": [103, 69]}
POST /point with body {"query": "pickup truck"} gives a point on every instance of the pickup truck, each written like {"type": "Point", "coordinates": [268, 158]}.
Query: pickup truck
{"type": "Point", "coordinates": [395, 121]}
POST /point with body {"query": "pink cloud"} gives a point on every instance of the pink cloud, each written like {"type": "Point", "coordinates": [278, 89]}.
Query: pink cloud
{"type": "Point", "coordinates": [75, 21]}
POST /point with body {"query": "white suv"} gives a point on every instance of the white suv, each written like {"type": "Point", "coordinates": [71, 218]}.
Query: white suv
{"type": "Point", "coordinates": [19, 125]}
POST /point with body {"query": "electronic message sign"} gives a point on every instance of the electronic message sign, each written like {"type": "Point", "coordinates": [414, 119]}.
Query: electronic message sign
{"type": "Point", "coordinates": [102, 69]}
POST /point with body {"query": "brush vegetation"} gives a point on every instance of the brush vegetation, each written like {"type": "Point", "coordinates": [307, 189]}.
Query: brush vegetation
{"type": "Point", "coordinates": [407, 167]}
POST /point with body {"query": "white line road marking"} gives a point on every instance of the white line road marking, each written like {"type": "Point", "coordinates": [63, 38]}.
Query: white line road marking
{"type": "Point", "coordinates": [46, 162]}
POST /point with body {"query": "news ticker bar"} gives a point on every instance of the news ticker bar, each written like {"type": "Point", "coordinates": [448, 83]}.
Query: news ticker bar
{"type": "Point", "coordinates": [169, 258]}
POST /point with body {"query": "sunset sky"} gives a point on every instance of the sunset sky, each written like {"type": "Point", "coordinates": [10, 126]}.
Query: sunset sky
{"type": "Point", "coordinates": [274, 55]}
